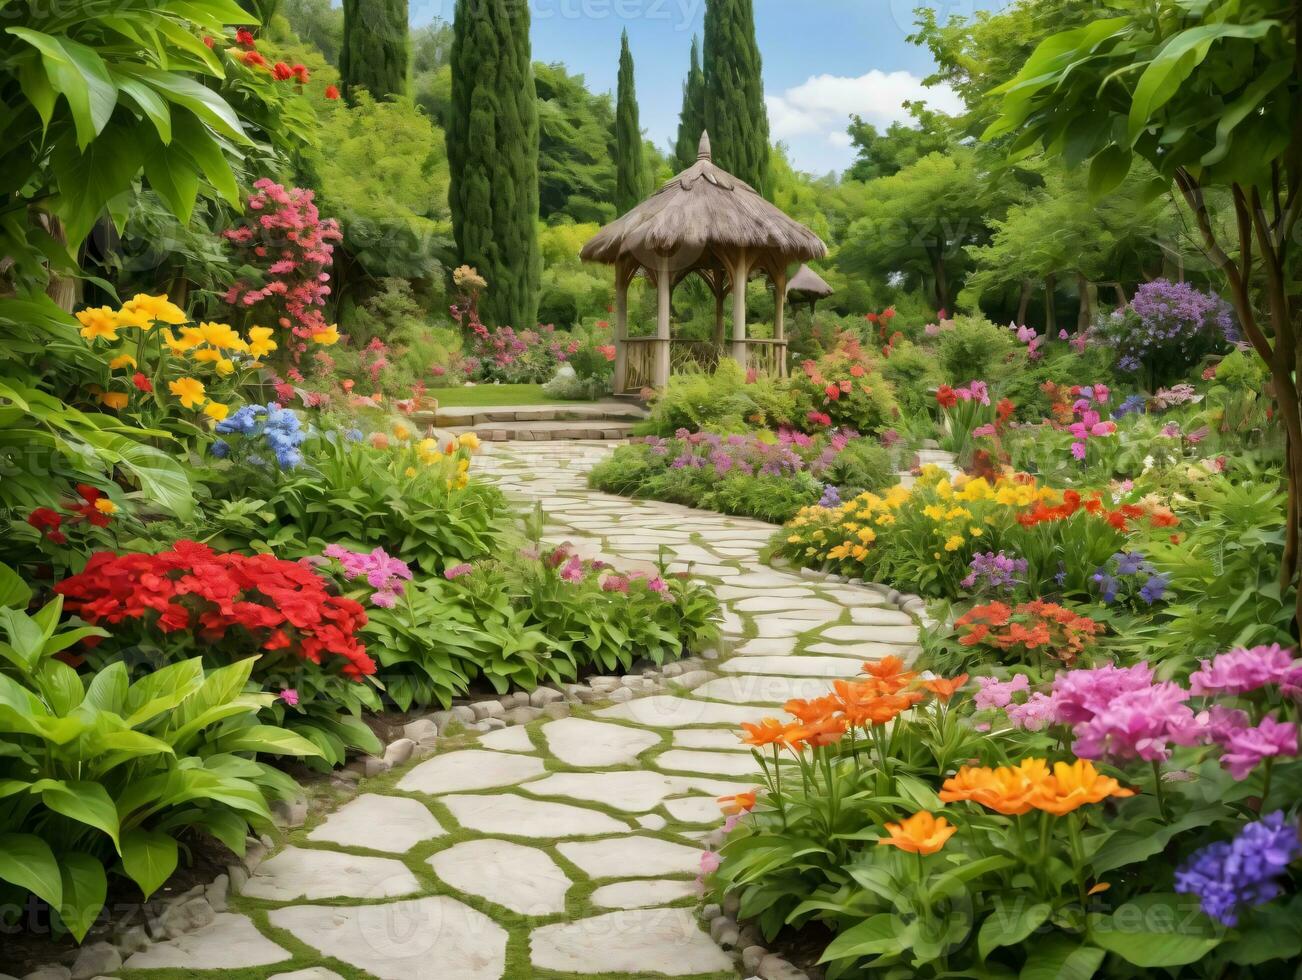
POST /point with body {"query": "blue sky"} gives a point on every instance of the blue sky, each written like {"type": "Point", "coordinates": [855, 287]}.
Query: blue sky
{"type": "Point", "coordinates": [823, 60]}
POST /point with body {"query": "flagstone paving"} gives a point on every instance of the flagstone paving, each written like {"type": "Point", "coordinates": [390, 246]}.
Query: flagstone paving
{"type": "Point", "coordinates": [568, 848]}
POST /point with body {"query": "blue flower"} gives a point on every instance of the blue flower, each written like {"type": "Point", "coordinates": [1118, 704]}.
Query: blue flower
{"type": "Point", "coordinates": [1154, 589]}
{"type": "Point", "coordinates": [220, 449]}
{"type": "Point", "coordinates": [1245, 871]}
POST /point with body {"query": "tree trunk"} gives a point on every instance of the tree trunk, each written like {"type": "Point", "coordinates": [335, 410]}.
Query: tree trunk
{"type": "Point", "coordinates": [1122, 299]}
{"type": "Point", "coordinates": [1050, 313]}
{"type": "Point", "coordinates": [61, 289]}
{"type": "Point", "coordinates": [942, 284]}
{"type": "Point", "coordinates": [1024, 302]}
{"type": "Point", "coordinates": [1086, 315]}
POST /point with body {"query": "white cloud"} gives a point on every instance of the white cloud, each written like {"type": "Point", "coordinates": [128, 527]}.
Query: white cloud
{"type": "Point", "coordinates": [812, 117]}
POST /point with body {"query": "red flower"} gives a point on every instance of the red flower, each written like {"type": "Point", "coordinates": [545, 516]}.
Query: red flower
{"type": "Point", "coordinates": [43, 517]}
{"type": "Point", "coordinates": [833, 392]}
{"type": "Point", "coordinates": [946, 397]}
{"type": "Point", "coordinates": [857, 371]}
{"type": "Point", "coordinates": [871, 317]}
{"type": "Point", "coordinates": [244, 37]}
{"type": "Point", "coordinates": [141, 382]}
{"type": "Point", "coordinates": [282, 71]}
{"type": "Point", "coordinates": [331, 92]}
{"type": "Point", "coordinates": [254, 60]}
{"type": "Point", "coordinates": [208, 40]}
{"type": "Point", "coordinates": [301, 73]}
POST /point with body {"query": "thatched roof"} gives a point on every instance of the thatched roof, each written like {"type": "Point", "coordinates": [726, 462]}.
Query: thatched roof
{"type": "Point", "coordinates": [808, 283]}
{"type": "Point", "coordinates": [704, 208]}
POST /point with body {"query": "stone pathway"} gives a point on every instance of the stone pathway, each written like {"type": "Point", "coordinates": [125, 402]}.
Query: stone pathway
{"type": "Point", "coordinates": [568, 848]}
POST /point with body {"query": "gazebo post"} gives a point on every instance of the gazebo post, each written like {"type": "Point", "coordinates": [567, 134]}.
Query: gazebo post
{"type": "Point", "coordinates": [718, 315]}
{"type": "Point", "coordinates": [780, 319]}
{"type": "Point", "coordinates": [664, 293]}
{"type": "Point", "coordinates": [622, 280]}
{"type": "Point", "coordinates": [739, 277]}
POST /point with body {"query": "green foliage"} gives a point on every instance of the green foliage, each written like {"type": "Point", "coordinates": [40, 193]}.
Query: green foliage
{"type": "Point", "coordinates": [718, 402]}
{"type": "Point", "coordinates": [630, 160]}
{"type": "Point", "coordinates": [735, 115]}
{"type": "Point", "coordinates": [101, 774]}
{"type": "Point", "coordinates": [576, 150]}
{"type": "Point", "coordinates": [913, 372]}
{"type": "Point", "coordinates": [376, 48]}
{"type": "Point", "coordinates": [691, 119]}
{"type": "Point", "coordinates": [973, 349]}
{"type": "Point", "coordinates": [382, 172]}
{"type": "Point", "coordinates": [864, 465]}
{"type": "Point", "coordinates": [492, 135]}
{"type": "Point", "coordinates": [318, 23]}
{"type": "Point", "coordinates": [900, 146]}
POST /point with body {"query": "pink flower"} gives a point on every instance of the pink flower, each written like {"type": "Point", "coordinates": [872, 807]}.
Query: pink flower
{"type": "Point", "coordinates": [290, 696]}
{"type": "Point", "coordinates": [1139, 724]}
{"type": "Point", "coordinates": [573, 570]}
{"type": "Point", "coordinates": [456, 571]}
{"type": "Point", "coordinates": [1240, 671]}
{"type": "Point", "coordinates": [994, 693]}
{"type": "Point", "coordinates": [1250, 746]}
{"type": "Point", "coordinates": [709, 862]}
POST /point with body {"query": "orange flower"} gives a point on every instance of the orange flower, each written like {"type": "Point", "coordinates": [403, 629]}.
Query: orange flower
{"type": "Point", "coordinates": [945, 689]}
{"type": "Point", "coordinates": [919, 834]}
{"type": "Point", "coordinates": [767, 732]}
{"type": "Point", "coordinates": [1076, 784]}
{"type": "Point", "coordinates": [1010, 790]}
{"type": "Point", "coordinates": [824, 732]}
{"type": "Point", "coordinates": [864, 704]}
{"type": "Point", "coordinates": [741, 803]}
{"type": "Point", "coordinates": [814, 710]}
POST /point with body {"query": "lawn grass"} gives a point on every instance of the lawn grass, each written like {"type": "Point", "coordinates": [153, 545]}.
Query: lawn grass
{"type": "Point", "coordinates": [487, 395]}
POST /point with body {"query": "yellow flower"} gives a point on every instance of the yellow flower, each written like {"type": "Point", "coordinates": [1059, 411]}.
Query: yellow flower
{"type": "Point", "coordinates": [189, 390]}
{"type": "Point", "coordinates": [143, 310]}
{"type": "Point", "coordinates": [401, 432]}
{"type": "Point", "coordinates": [859, 552]}
{"type": "Point", "coordinates": [327, 338]}
{"type": "Point", "coordinates": [225, 367]}
{"type": "Point", "coordinates": [463, 465]}
{"type": "Point", "coordinates": [216, 411]}
{"type": "Point", "coordinates": [839, 552]}
{"type": "Point", "coordinates": [469, 440]}
{"type": "Point", "coordinates": [221, 336]}
{"type": "Point", "coordinates": [934, 512]}
{"type": "Point", "coordinates": [954, 543]}
{"type": "Point", "coordinates": [867, 535]}
{"type": "Point", "coordinates": [190, 339]}
{"type": "Point", "coordinates": [114, 399]}
{"type": "Point", "coordinates": [99, 324]}
{"type": "Point", "coordinates": [206, 355]}
{"type": "Point", "coordinates": [411, 471]}
{"type": "Point", "coordinates": [793, 539]}
{"type": "Point", "coordinates": [122, 361]}
{"type": "Point", "coordinates": [106, 506]}
{"type": "Point", "coordinates": [260, 342]}
{"type": "Point", "coordinates": [976, 532]}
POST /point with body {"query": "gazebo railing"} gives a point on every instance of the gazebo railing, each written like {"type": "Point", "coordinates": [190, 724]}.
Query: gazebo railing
{"type": "Point", "coordinates": [641, 363]}
{"type": "Point", "coordinates": [766, 356]}
{"type": "Point", "coordinates": [685, 355]}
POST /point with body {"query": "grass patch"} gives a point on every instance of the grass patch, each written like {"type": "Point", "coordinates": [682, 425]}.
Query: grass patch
{"type": "Point", "coordinates": [491, 395]}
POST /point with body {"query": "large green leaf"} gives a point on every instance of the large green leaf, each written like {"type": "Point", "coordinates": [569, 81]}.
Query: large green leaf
{"type": "Point", "coordinates": [267, 739]}
{"type": "Point", "coordinates": [90, 177]}
{"type": "Point", "coordinates": [149, 858]}
{"type": "Point", "coordinates": [13, 590]}
{"type": "Point", "coordinates": [28, 862]}
{"type": "Point", "coordinates": [185, 91]}
{"type": "Point", "coordinates": [84, 888]}
{"type": "Point", "coordinates": [1061, 958]}
{"type": "Point", "coordinates": [79, 74]}
{"type": "Point", "coordinates": [174, 176]}
{"type": "Point", "coordinates": [85, 802]}
{"type": "Point", "coordinates": [883, 934]}
{"type": "Point", "coordinates": [1010, 922]}
{"type": "Point", "coordinates": [1158, 930]}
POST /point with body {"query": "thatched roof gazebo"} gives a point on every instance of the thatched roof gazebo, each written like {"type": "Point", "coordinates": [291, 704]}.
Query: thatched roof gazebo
{"type": "Point", "coordinates": [807, 286]}
{"type": "Point", "coordinates": [703, 221]}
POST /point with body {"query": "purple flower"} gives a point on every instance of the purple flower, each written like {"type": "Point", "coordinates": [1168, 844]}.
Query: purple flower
{"type": "Point", "coordinates": [573, 570]}
{"type": "Point", "coordinates": [1035, 715]}
{"type": "Point", "coordinates": [995, 572]}
{"type": "Point", "coordinates": [1247, 747]}
{"type": "Point", "coordinates": [1153, 590]}
{"type": "Point", "coordinates": [1079, 695]}
{"type": "Point", "coordinates": [1139, 724]}
{"type": "Point", "coordinates": [831, 497]}
{"type": "Point", "coordinates": [1245, 871]}
{"type": "Point", "coordinates": [1243, 670]}
{"type": "Point", "coordinates": [456, 571]}
{"type": "Point", "coordinates": [383, 573]}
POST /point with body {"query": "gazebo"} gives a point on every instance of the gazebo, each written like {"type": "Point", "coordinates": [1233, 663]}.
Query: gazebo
{"type": "Point", "coordinates": [708, 222]}
{"type": "Point", "coordinates": [807, 286]}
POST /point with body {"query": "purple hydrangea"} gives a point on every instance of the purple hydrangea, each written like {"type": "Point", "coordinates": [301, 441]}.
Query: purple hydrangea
{"type": "Point", "coordinates": [1171, 320]}
{"type": "Point", "coordinates": [994, 572]}
{"type": "Point", "coordinates": [1228, 875]}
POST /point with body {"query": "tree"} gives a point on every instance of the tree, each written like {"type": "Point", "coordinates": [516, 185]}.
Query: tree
{"type": "Point", "coordinates": [916, 223]}
{"type": "Point", "coordinates": [630, 160]}
{"type": "Point", "coordinates": [376, 48]}
{"type": "Point", "coordinates": [1210, 96]}
{"type": "Point", "coordinates": [492, 139]}
{"type": "Point", "coordinates": [317, 23]}
{"type": "Point", "coordinates": [576, 148]}
{"type": "Point", "coordinates": [901, 145]}
{"type": "Point", "coordinates": [691, 121]}
{"type": "Point", "coordinates": [734, 92]}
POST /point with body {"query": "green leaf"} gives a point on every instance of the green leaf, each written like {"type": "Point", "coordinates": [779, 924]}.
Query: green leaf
{"type": "Point", "coordinates": [268, 739]}
{"type": "Point", "coordinates": [185, 91]}
{"type": "Point", "coordinates": [1009, 926]}
{"type": "Point", "coordinates": [149, 858]}
{"type": "Point", "coordinates": [175, 177]}
{"type": "Point", "coordinates": [28, 862]}
{"type": "Point", "coordinates": [1107, 170]}
{"type": "Point", "coordinates": [13, 590]}
{"type": "Point", "coordinates": [90, 178]}
{"type": "Point", "coordinates": [86, 802]}
{"type": "Point", "coordinates": [883, 934]}
{"type": "Point", "coordinates": [84, 888]}
{"type": "Point", "coordinates": [153, 105]}
{"type": "Point", "coordinates": [1060, 958]}
{"type": "Point", "coordinates": [1157, 930]}
{"type": "Point", "coordinates": [79, 74]}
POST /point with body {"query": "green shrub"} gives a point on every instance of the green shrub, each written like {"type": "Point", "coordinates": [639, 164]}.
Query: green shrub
{"type": "Point", "coordinates": [864, 464]}
{"type": "Point", "coordinates": [101, 775]}
{"type": "Point", "coordinates": [973, 348]}
{"type": "Point", "coordinates": [913, 372]}
{"type": "Point", "coordinates": [718, 402]}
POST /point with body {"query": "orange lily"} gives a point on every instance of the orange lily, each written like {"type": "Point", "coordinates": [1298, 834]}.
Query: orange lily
{"type": "Point", "coordinates": [919, 834]}
{"type": "Point", "coordinates": [740, 803]}
{"type": "Point", "coordinates": [945, 689]}
{"type": "Point", "coordinates": [767, 732]}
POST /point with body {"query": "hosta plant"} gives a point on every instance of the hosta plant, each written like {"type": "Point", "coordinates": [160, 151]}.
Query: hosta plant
{"type": "Point", "coordinates": [100, 775]}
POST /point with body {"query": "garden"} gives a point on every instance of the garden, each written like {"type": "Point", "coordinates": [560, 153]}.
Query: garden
{"type": "Point", "coordinates": [963, 645]}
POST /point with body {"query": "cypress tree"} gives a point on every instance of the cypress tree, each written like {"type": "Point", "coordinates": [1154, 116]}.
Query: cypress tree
{"type": "Point", "coordinates": [691, 121]}
{"type": "Point", "coordinates": [376, 47]}
{"type": "Point", "coordinates": [630, 155]}
{"type": "Point", "coordinates": [734, 92]}
{"type": "Point", "coordinates": [492, 140]}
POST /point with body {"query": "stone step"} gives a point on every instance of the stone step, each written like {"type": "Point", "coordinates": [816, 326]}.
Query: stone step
{"type": "Point", "coordinates": [546, 431]}
{"type": "Point", "coordinates": [472, 415]}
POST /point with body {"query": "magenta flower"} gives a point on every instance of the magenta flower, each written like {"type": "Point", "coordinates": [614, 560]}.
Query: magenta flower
{"type": "Point", "coordinates": [1081, 694]}
{"type": "Point", "coordinates": [573, 570]}
{"type": "Point", "coordinates": [1243, 670]}
{"type": "Point", "coordinates": [1250, 746]}
{"type": "Point", "coordinates": [1139, 724]}
{"type": "Point", "coordinates": [994, 693]}
{"type": "Point", "coordinates": [1035, 715]}
{"type": "Point", "coordinates": [290, 696]}
{"type": "Point", "coordinates": [614, 583]}
{"type": "Point", "coordinates": [456, 571]}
